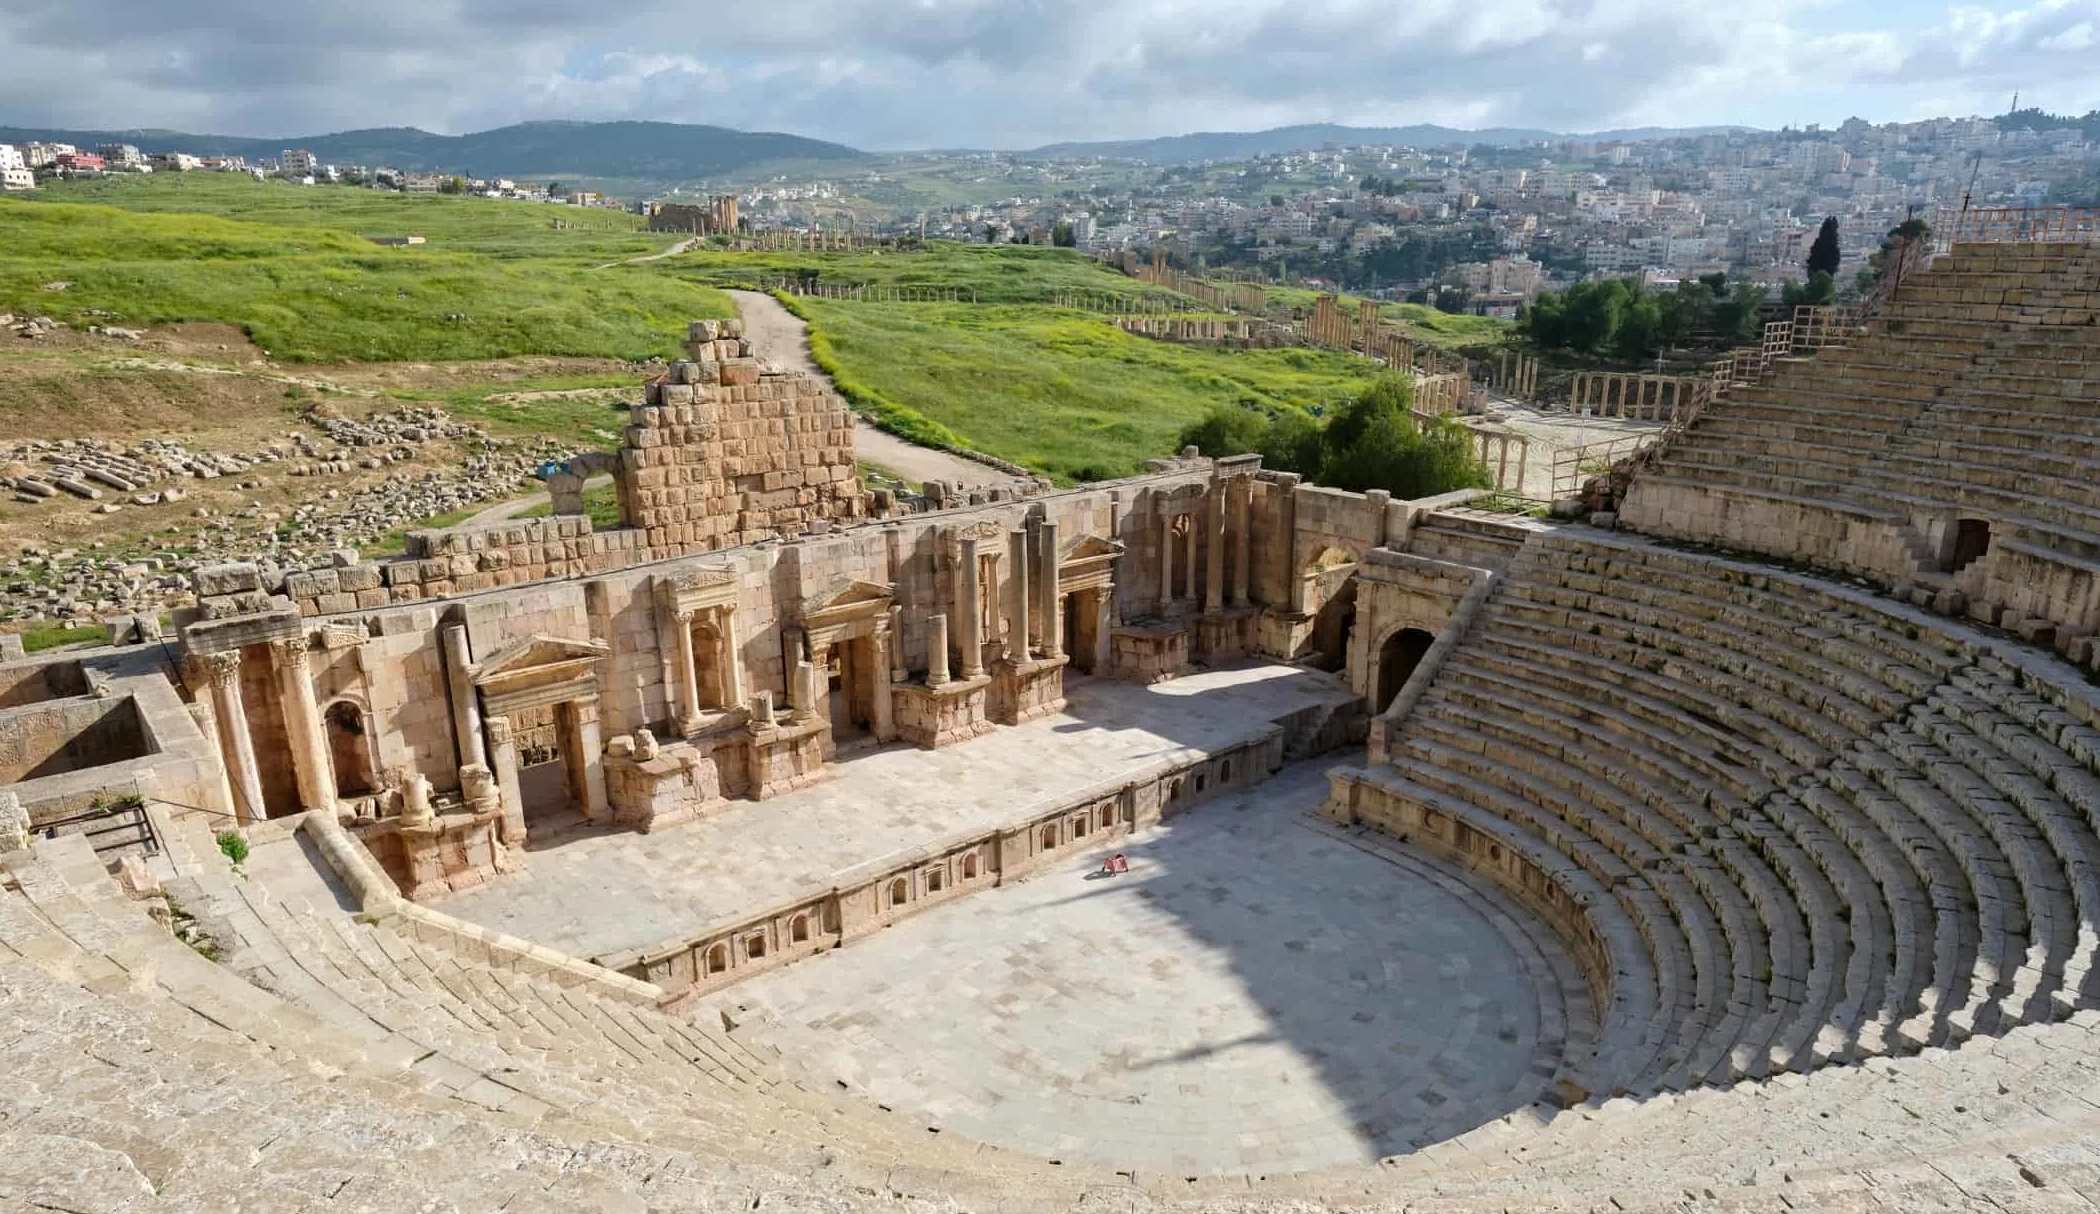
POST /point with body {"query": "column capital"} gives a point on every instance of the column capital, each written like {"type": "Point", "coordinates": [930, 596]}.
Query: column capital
{"type": "Point", "coordinates": [289, 649]}
{"type": "Point", "coordinates": [498, 730]}
{"type": "Point", "coordinates": [223, 669]}
{"type": "Point", "coordinates": [684, 615]}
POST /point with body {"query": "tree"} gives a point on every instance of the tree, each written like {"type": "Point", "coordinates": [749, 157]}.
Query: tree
{"type": "Point", "coordinates": [453, 185]}
{"type": "Point", "coordinates": [1062, 237]}
{"type": "Point", "coordinates": [991, 233]}
{"type": "Point", "coordinates": [1452, 299]}
{"type": "Point", "coordinates": [1819, 289]}
{"type": "Point", "coordinates": [554, 189]}
{"type": "Point", "coordinates": [1823, 256]}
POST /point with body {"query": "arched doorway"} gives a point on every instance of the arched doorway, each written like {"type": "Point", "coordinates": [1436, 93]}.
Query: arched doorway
{"type": "Point", "coordinates": [349, 749]}
{"type": "Point", "coordinates": [1397, 659]}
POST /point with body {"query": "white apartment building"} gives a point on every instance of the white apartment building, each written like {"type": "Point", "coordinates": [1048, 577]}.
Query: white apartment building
{"type": "Point", "coordinates": [14, 171]}
{"type": "Point", "coordinates": [39, 155]}
{"type": "Point", "coordinates": [298, 162]}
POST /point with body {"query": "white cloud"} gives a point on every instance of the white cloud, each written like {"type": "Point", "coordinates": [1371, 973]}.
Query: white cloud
{"type": "Point", "coordinates": [881, 73]}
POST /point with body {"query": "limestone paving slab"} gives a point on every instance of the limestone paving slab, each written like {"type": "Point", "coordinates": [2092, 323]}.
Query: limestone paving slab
{"type": "Point", "coordinates": [1253, 996]}
{"type": "Point", "coordinates": [594, 892]}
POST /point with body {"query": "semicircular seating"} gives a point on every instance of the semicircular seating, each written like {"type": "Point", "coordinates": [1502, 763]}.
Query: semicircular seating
{"type": "Point", "coordinates": [1836, 827]}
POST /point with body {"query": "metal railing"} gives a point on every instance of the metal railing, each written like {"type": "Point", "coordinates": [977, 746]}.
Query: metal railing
{"type": "Point", "coordinates": [2006, 225]}
{"type": "Point", "coordinates": [109, 828]}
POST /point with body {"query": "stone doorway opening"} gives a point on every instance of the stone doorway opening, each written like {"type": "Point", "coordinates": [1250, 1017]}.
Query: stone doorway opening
{"type": "Point", "coordinates": [853, 667]}
{"type": "Point", "coordinates": [350, 750]}
{"type": "Point", "coordinates": [1333, 626]}
{"type": "Point", "coordinates": [1397, 659]}
{"type": "Point", "coordinates": [1084, 624]}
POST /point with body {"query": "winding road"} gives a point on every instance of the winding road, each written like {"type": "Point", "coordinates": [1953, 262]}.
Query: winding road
{"type": "Point", "coordinates": [780, 337]}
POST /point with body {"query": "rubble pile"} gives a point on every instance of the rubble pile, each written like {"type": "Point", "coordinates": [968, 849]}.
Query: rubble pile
{"type": "Point", "coordinates": [90, 582]}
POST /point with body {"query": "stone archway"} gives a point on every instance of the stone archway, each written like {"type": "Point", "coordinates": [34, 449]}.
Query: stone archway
{"type": "Point", "coordinates": [1398, 655]}
{"type": "Point", "coordinates": [350, 749]}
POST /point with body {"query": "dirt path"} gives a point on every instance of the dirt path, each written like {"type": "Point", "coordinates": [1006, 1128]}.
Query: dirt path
{"type": "Point", "coordinates": [780, 336]}
{"type": "Point", "coordinates": [681, 247]}
{"type": "Point", "coordinates": [518, 505]}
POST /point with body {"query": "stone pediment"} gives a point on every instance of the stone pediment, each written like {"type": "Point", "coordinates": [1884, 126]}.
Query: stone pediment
{"type": "Point", "coordinates": [1091, 547]}
{"type": "Point", "coordinates": [858, 600]}
{"type": "Point", "coordinates": [699, 589]}
{"type": "Point", "coordinates": [536, 671]}
{"type": "Point", "coordinates": [538, 657]}
{"type": "Point", "coordinates": [989, 534]}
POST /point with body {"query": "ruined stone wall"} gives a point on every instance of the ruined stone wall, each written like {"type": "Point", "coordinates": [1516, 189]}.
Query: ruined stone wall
{"type": "Point", "coordinates": [724, 452]}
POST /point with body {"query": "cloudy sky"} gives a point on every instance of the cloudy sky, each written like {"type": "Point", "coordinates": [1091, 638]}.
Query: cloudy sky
{"type": "Point", "coordinates": [886, 74]}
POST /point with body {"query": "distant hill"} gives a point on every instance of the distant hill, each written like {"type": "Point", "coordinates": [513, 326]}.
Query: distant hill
{"type": "Point", "coordinates": [659, 151]}
{"type": "Point", "coordinates": [1234, 145]}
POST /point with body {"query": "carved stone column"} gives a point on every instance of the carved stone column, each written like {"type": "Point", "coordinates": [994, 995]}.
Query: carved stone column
{"type": "Point", "coordinates": [898, 672]}
{"type": "Point", "coordinates": [1017, 595]}
{"type": "Point", "coordinates": [969, 612]}
{"type": "Point", "coordinates": [1242, 540]}
{"type": "Point", "coordinates": [236, 747]}
{"type": "Point", "coordinates": [466, 707]}
{"type": "Point", "coordinates": [936, 649]}
{"type": "Point", "coordinates": [1166, 557]}
{"type": "Point", "coordinates": [1188, 560]}
{"type": "Point", "coordinates": [1052, 627]}
{"type": "Point", "coordinates": [1104, 626]}
{"type": "Point", "coordinates": [302, 725]}
{"type": "Point", "coordinates": [732, 663]}
{"type": "Point", "coordinates": [882, 715]}
{"type": "Point", "coordinates": [1214, 555]}
{"type": "Point", "coordinates": [590, 758]}
{"type": "Point", "coordinates": [504, 764]}
{"type": "Point", "coordinates": [688, 670]}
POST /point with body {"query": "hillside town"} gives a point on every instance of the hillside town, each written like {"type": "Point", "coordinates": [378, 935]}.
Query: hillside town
{"type": "Point", "coordinates": [1482, 229]}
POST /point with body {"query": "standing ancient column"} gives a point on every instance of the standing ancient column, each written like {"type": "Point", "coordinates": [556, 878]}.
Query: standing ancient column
{"type": "Point", "coordinates": [1052, 624]}
{"type": "Point", "coordinates": [503, 751]}
{"type": "Point", "coordinates": [1166, 557]}
{"type": "Point", "coordinates": [590, 753]}
{"type": "Point", "coordinates": [688, 671]}
{"type": "Point", "coordinates": [898, 673]}
{"type": "Point", "coordinates": [732, 663]}
{"type": "Point", "coordinates": [969, 613]}
{"type": "Point", "coordinates": [236, 747]}
{"type": "Point", "coordinates": [1214, 556]}
{"type": "Point", "coordinates": [936, 649]}
{"type": "Point", "coordinates": [466, 711]}
{"type": "Point", "coordinates": [1017, 596]}
{"type": "Point", "coordinates": [302, 725]}
{"type": "Point", "coordinates": [1243, 544]}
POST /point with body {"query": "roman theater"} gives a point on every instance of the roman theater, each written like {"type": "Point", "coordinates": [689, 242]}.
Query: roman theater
{"type": "Point", "coordinates": [1206, 839]}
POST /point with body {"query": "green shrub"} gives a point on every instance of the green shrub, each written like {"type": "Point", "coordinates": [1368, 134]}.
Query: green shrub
{"type": "Point", "coordinates": [1372, 442]}
{"type": "Point", "coordinates": [234, 847]}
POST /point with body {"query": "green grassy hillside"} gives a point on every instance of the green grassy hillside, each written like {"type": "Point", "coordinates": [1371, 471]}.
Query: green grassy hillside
{"type": "Point", "coordinates": [297, 272]}
{"type": "Point", "coordinates": [1059, 391]}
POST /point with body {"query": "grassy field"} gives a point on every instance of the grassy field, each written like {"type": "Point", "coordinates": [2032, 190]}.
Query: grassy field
{"type": "Point", "coordinates": [301, 279]}
{"type": "Point", "coordinates": [1445, 330]}
{"type": "Point", "coordinates": [1053, 389]}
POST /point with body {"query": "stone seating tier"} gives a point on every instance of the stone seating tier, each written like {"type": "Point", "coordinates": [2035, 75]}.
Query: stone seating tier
{"type": "Point", "coordinates": [351, 1055]}
{"type": "Point", "coordinates": [1970, 395]}
{"type": "Point", "coordinates": [1816, 814]}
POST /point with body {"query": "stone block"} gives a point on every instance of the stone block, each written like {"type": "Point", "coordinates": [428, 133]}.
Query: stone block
{"type": "Point", "coordinates": [230, 578]}
{"type": "Point", "coordinates": [355, 578]}
{"type": "Point", "coordinates": [334, 604]}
